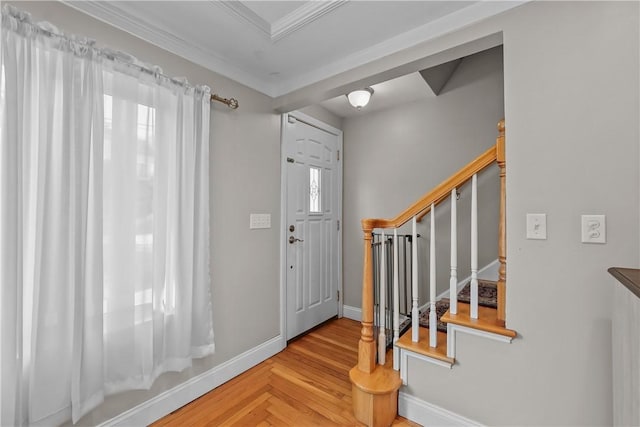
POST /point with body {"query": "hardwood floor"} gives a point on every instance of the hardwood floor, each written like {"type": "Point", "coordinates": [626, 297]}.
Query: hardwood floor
{"type": "Point", "coordinates": [307, 384]}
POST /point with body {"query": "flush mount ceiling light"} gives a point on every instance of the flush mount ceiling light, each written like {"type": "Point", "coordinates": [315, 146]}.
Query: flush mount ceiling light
{"type": "Point", "coordinates": [359, 98]}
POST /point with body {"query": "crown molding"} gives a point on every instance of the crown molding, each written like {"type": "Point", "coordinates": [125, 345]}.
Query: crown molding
{"type": "Point", "coordinates": [137, 26]}
{"type": "Point", "coordinates": [112, 14]}
{"type": "Point", "coordinates": [288, 24]}
{"type": "Point", "coordinates": [238, 9]}
{"type": "Point", "coordinates": [448, 23]}
{"type": "Point", "coordinates": [304, 15]}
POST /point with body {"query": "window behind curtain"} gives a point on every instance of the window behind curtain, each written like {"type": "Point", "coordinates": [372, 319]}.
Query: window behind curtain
{"type": "Point", "coordinates": [104, 224]}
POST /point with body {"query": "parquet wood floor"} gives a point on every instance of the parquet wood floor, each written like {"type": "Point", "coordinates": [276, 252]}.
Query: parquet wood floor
{"type": "Point", "coordinates": [307, 384]}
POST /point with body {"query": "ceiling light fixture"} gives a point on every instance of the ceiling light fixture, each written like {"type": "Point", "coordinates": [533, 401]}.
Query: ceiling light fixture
{"type": "Point", "coordinates": [360, 98]}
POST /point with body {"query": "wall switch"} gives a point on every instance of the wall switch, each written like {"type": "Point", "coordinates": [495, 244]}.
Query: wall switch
{"type": "Point", "coordinates": [594, 229]}
{"type": "Point", "coordinates": [537, 226]}
{"type": "Point", "coordinates": [259, 221]}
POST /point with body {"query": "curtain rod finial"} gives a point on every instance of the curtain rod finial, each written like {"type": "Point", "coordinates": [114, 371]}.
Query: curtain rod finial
{"type": "Point", "coordinates": [229, 102]}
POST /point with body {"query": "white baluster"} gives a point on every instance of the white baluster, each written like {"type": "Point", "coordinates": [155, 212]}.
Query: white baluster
{"type": "Point", "coordinates": [453, 281]}
{"type": "Point", "coordinates": [396, 302]}
{"type": "Point", "coordinates": [433, 322]}
{"type": "Point", "coordinates": [415, 322]}
{"type": "Point", "coordinates": [382, 335]}
{"type": "Point", "coordinates": [474, 247]}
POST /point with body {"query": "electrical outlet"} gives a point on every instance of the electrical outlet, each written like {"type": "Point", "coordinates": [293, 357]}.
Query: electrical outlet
{"type": "Point", "coordinates": [594, 229]}
{"type": "Point", "coordinates": [537, 226]}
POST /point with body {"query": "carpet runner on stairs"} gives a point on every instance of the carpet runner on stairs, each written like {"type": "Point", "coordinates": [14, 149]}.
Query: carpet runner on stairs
{"type": "Point", "coordinates": [487, 293]}
{"type": "Point", "coordinates": [487, 296]}
{"type": "Point", "coordinates": [441, 308]}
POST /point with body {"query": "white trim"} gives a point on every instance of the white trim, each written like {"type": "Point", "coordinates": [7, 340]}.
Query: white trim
{"type": "Point", "coordinates": [311, 121]}
{"type": "Point", "coordinates": [453, 329]}
{"type": "Point", "coordinates": [480, 333]}
{"type": "Point", "coordinates": [485, 273]}
{"type": "Point", "coordinates": [428, 414]}
{"type": "Point", "coordinates": [353, 313]}
{"type": "Point", "coordinates": [404, 362]}
{"type": "Point", "coordinates": [170, 400]}
{"type": "Point", "coordinates": [427, 304]}
{"type": "Point", "coordinates": [451, 341]}
{"type": "Point", "coordinates": [434, 29]}
{"type": "Point", "coordinates": [283, 233]}
{"type": "Point", "coordinates": [489, 271]}
{"type": "Point", "coordinates": [304, 15]}
{"type": "Point", "coordinates": [243, 12]}
{"type": "Point", "coordinates": [288, 24]}
{"type": "Point", "coordinates": [120, 17]}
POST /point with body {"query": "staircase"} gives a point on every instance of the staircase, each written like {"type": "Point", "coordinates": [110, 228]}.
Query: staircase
{"type": "Point", "coordinates": [432, 336]}
{"type": "Point", "coordinates": [487, 297]}
{"type": "Point", "coordinates": [443, 353]}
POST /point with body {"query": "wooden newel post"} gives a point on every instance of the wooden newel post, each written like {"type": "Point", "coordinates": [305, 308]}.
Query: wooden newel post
{"type": "Point", "coordinates": [374, 389]}
{"type": "Point", "coordinates": [367, 346]}
{"type": "Point", "coordinates": [502, 224]}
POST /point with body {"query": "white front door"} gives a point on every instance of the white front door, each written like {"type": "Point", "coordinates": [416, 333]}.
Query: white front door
{"type": "Point", "coordinates": [313, 216]}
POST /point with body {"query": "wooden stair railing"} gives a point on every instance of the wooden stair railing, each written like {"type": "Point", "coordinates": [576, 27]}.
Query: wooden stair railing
{"type": "Point", "coordinates": [375, 388]}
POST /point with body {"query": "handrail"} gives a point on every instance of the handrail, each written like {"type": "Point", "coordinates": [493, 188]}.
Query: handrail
{"type": "Point", "coordinates": [438, 194]}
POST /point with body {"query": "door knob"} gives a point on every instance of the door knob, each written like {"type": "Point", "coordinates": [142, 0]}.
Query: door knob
{"type": "Point", "coordinates": [293, 239]}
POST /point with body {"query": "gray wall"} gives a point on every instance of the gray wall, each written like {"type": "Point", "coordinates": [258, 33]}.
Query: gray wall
{"type": "Point", "coordinates": [571, 106]}
{"type": "Point", "coordinates": [395, 156]}
{"type": "Point", "coordinates": [572, 148]}
{"type": "Point", "coordinates": [571, 96]}
{"type": "Point", "coordinates": [245, 178]}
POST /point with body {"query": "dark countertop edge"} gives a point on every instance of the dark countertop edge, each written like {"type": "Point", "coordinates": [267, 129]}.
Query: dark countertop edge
{"type": "Point", "coordinates": [629, 277]}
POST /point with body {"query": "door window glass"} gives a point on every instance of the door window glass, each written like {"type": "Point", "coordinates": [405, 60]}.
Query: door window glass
{"type": "Point", "coordinates": [314, 190]}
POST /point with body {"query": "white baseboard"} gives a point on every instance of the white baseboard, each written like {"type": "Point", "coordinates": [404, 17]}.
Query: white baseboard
{"type": "Point", "coordinates": [353, 313]}
{"type": "Point", "coordinates": [427, 414]}
{"type": "Point", "coordinates": [488, 272]}
{"type": "Point", "coordinates": [164, 403]}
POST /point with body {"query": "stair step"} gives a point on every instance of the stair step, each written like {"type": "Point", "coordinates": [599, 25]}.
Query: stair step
{"type": "Point", "coordinates": [422, 347]}
{"type": "Point", "coordinates": [487, 297]}
{"type": "Point", "coordinates": [487, 293]}
{"type": "Point", "coordinates": [442, 306]}
{"type": "Point", "coordinates": [487, 320]}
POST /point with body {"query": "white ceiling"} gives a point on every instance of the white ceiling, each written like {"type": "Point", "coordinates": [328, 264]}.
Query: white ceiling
{"type": "Point", "coordinates": [277, 47]}
{"type": "Point", "coordinates": [391, 93]}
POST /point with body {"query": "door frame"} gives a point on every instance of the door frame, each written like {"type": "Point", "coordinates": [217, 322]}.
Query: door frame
{"type": "Point", "coordinates": [311, 121]}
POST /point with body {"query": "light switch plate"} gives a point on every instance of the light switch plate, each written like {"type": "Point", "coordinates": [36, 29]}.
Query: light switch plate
{"type": "Point", "coordinates": [594, 229]}
{"type": "Point", "coordinates": [537, 226]}
{"type": "Point", "coordinates": [259, 221]}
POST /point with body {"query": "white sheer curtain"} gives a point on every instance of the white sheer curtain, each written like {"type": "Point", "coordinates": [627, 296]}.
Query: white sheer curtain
{"type": "Point", "coordinates": [104, 224]}
{"type": "Point", "coordinates": [155, 228]}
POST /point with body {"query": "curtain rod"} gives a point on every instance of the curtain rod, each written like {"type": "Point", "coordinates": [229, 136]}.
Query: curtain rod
{"type": "Point", "coordinates": [229, 102]}
{"type": "Point", "coordinates": [111, 54]}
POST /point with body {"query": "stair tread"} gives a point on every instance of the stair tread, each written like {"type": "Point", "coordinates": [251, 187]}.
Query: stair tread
{"type": "Point", "coordinates": [422, 346]}
{"type": "Point", "coordinates": [486, 297]}
{"type": "Point", "coordinates": [487, 293]}
{"type": "Point", "coordinates": [487, 320]}
{"type": "Point", "coordinates": [441, 308]}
